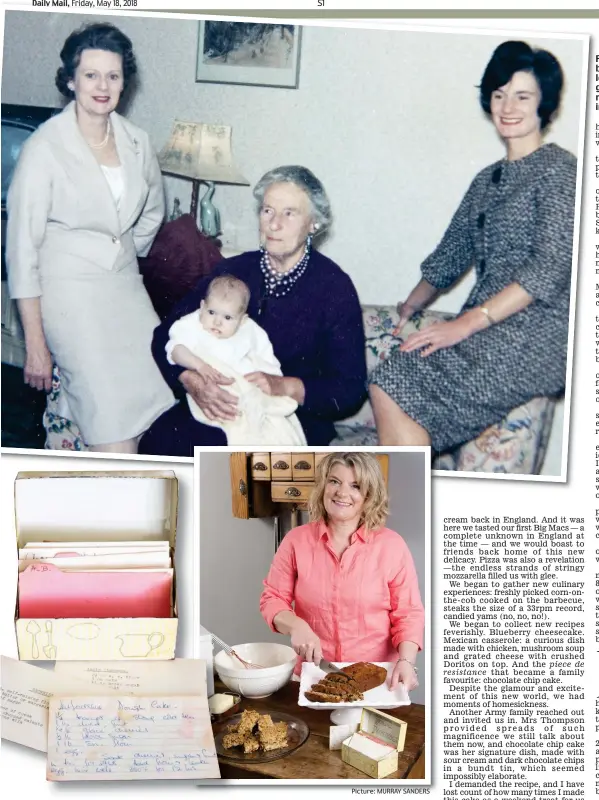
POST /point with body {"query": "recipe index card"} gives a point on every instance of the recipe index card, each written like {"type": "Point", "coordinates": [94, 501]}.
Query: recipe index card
{"type": "Point", "coordinates": [130, 738]}
{"type": "Point", "coordinates": [25, 691]}
{"type": "Point", "coordinates": [179, 676]}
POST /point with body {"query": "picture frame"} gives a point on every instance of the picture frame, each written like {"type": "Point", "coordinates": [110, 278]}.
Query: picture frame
{"type": "Point", "coordinates": [249, 53]}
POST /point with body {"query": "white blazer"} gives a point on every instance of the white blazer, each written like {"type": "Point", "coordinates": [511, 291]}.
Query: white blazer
{"type": "Point", "coordinates": [59, 203]}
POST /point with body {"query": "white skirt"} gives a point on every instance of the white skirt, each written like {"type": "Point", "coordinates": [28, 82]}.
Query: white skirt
{"type": "Point", "coordinates": [99, 326]}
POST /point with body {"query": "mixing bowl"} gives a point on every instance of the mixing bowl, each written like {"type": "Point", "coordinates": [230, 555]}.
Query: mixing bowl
{"type": "Point", "coordinates": [278, 662]}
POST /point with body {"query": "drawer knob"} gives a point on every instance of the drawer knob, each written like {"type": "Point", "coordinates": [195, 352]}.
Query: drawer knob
{"type": "Point", "coordinates": [243, 489]}
{"type": "Point", "coordinates": [261, 466]}
{"type": "Point", "coordinates": [280, 465]}
{"type": "Point", "coordinates": [302, 465]}
{"type": "Point", "coordinates": [292, 492]}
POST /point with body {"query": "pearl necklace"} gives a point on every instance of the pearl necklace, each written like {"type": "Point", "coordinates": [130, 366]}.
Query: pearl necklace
{"type": "Point", "coordinates": [279, 284]}
{"type": "Point", "coordinates": [104, 141]}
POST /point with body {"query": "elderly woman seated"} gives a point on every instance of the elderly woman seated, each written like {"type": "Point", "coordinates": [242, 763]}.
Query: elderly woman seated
{"type": "Point", "coordinates": [306, 304]}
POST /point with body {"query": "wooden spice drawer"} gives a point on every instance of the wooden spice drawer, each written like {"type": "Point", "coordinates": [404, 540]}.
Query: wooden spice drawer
{"type": "Point", "coordinates": [281, 466]}
{"type": "Point", "coordinates": [261, 466]}
{"type": "Point", "coordinates": [302, 466]}
{"type": "Point", "coordinates": [290, 492]}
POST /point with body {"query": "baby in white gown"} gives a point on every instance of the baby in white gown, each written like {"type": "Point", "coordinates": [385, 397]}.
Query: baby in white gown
{"type": "Point", "coordinates": [220, 336]}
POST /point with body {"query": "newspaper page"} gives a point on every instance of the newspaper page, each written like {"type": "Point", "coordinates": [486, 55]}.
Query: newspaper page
{"type": "Point", "coordinates": [384, 106]}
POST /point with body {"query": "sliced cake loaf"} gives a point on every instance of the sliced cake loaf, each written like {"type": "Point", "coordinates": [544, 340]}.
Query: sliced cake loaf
{"type": "Point", "coordinates": [349, 686]}
{"type": "Point", "coordinates": [322, 697]}
{"type": "Point", "coordinates": [366, 676]}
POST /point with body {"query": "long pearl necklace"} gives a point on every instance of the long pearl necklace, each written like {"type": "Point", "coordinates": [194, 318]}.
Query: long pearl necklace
{"type": "Point", "coordinates": [104, 141]}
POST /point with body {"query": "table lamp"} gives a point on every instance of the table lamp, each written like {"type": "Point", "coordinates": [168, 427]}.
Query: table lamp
{"type": "Point", "coordinates": [201, 152]}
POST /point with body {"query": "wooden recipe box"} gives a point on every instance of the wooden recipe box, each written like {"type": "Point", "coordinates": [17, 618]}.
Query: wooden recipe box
{"type": "Point", "coordinates": [94, 507]}
{"type": "Point", "coordinates": [260, 481]}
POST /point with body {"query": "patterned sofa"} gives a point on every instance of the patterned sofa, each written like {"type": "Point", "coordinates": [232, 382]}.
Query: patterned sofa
{"type": "Point", "coordinates": [515, 445]}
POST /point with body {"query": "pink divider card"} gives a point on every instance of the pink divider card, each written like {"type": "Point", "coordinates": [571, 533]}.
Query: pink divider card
{"type": "Point", "coordinates": [45, 591]}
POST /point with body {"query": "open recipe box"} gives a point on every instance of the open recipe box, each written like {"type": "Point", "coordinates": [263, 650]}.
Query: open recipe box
{"type": "Point", "coordinates": [374, 748]}
{"type": "Point", "coordinates": [102, 507]}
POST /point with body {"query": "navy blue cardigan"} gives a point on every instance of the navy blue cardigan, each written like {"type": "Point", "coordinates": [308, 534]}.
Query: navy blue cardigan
{"type": "Point", "coordinates": [316, 331]}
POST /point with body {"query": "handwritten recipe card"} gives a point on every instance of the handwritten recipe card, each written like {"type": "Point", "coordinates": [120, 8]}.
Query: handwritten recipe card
{"type": "Point", "coordinates": [130, 738]}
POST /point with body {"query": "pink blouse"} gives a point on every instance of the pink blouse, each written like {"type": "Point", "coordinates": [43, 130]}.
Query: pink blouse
{"type": "Point", "coordinates": [361, 606]}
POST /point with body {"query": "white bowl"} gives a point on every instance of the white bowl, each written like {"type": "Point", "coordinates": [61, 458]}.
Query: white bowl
{"type": "Point", "coordinates": [278, 661]}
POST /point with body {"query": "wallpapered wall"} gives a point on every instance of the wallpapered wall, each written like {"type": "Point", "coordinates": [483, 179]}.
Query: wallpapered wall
{"type": "Point", "coordinates": [389, 120]}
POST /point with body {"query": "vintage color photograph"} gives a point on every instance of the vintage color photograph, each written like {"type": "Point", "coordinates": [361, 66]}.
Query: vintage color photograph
{"type": "Point", "coordinates": [313, 266]}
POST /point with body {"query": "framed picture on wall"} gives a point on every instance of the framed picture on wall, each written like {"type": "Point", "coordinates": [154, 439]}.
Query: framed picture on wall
{"type": "Point", "coordinates": [249, 53]}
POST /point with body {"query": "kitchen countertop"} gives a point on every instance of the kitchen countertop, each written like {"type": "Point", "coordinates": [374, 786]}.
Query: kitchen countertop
{"type": "Point", "coordinates": [314, 760]}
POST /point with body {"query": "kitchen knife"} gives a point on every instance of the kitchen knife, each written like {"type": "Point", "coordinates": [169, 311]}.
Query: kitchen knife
{"type": "Point", "coordinates": [327, 667]}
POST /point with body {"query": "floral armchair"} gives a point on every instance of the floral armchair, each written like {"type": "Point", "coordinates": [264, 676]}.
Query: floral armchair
{"type": "Point", "coordinates": [515, 445]}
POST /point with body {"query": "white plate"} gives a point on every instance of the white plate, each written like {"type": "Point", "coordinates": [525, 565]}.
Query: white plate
{"type": "Point", "coordinates": [379, 697]}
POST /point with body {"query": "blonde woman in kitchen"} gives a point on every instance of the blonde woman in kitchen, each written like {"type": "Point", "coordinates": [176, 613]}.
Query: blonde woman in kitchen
{"type": "Point", "coordinates": [344, 587]}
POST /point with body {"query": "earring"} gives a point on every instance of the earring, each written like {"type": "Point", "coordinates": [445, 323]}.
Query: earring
{"type": "Point", "coordinates": [309, 241]}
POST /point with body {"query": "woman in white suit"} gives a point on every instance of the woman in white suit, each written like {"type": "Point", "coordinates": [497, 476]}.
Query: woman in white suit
{"type": "Point", "coordinates": [86, 199]}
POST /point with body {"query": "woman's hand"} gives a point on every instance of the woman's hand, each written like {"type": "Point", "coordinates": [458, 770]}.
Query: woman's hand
{"type": "Point", "coordinates": [216, 403]}
{"type": "Point", "coordinates": [269, 384]}
{"type": "Point", "coordinates": [406, 311]}
{"type": "Point", "coordinates": [420, 297]}
{"type": "Point", "coordinates": [278, 385]}
{"type": "Point", "coordinates": [305, 642]}
{"type": "Point", "coordinates": [404, 672]}
{"type": "Point", "coordinates": [37, 372]}
{"type": "Point", "coordinates": [441, 335]}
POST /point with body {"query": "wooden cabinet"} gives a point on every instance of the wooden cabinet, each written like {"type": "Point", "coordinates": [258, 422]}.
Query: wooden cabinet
{"type": "Point", "coordinates": [262, 481]}
{"type": "Point", "coordinates": [250, 497]}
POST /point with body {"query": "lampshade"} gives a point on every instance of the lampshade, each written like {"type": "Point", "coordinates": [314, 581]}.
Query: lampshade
{"type": "Point", "coordinates": [200, 152]}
